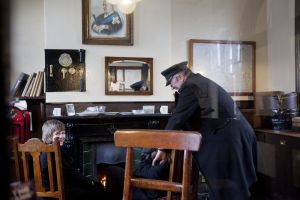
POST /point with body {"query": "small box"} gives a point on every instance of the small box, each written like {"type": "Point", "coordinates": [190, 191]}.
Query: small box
{"type": "Point", "coordinates": [163, 109]}
{"type": "Point", "coordinates": [149, 109]}
{"type": "Point", "coordinates": [56, 112]}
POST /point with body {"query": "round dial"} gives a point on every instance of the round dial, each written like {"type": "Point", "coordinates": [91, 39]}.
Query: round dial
{"type": "Point", "coordinates": [65, 60]}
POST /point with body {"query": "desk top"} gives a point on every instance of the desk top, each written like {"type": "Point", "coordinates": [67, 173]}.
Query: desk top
{"type": "Point", "coordinates": [112, 115]}
{"type": "Point", "coordinates": [289, 133]}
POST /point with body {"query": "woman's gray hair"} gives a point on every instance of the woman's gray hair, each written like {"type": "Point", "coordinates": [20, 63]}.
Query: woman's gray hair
{"type": "Point", "coordinates": [48, 129]}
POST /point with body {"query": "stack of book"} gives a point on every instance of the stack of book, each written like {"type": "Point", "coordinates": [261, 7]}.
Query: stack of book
{"type": "Point", "coordinates": [29, 86]}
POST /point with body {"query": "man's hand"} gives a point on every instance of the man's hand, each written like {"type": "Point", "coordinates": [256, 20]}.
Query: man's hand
{"type": "Point", "coordinates": [99, 28]}
{"type": "Point", "coordinates": [161, 156]}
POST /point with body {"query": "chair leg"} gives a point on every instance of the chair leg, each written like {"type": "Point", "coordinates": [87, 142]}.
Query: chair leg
{"type": "Point", "coordinates": [127, 193]}
{"type": "Point", "coordinates": [186, 175]}
{"type": "Point", "coordinates": [172, 172]}
{"type": "Point", "coordinates": [195, 175]}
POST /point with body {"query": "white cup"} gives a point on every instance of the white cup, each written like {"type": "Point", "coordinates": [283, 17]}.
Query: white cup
{"type": "Point", "coordinates": [163, 109]}
{"type": "Point", "coordinates": [56, 111]}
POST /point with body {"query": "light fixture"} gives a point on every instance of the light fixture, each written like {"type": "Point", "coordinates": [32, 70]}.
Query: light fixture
{"type": "Point", "coordinates": [125, 6]}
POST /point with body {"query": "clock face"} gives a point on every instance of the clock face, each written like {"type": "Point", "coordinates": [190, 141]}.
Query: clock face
{"type": "Point", "coordinates": [65, 60]}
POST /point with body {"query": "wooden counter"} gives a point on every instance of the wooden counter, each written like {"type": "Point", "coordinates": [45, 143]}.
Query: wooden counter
{"type": "Point", "coordinates": [279, 163]}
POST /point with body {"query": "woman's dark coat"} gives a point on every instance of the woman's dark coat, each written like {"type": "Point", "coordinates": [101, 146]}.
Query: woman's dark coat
{"type": "Point", "coordinates": [227, 156]}
{"type": "Point", "coordinates": [76, 186]}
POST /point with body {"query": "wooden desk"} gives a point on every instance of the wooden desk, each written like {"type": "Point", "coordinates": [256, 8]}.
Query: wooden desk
{"type": "Point", "coordinates": [279, 163]}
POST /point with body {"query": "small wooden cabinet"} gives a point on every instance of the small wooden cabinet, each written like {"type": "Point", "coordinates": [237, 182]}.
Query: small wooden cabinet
{"type": "Point", "coordinates": [278, 163]}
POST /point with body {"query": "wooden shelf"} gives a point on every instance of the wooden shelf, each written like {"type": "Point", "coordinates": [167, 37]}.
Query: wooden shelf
{"type": "Point", "coordinates": [36, 105]}
{"type": "Point", "coordinates": [33, 98]}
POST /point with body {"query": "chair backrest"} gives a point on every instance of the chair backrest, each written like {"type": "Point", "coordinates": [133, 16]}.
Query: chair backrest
{"type": "Point", "coordinates": [186, 141]}
{"type": "Point", "coordinates": [30, 153]}
{"type": "Point", "coordinates": [13, 158]}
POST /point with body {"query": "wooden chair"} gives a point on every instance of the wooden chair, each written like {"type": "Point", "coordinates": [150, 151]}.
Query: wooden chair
{"type": "Point", "coordinates": [175, 140]}
{"type": "Point", "coordinates": [33, 148]}
{"type": "Point", "coordinates": [13, 158]}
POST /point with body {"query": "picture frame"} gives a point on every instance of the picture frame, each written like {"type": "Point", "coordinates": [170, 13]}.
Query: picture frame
{"type": "Point", "coordinates": [128, 75]}
{"type": "Point", "coordinates": [70, 108]}
{"type": "Point", "coordinates": [231, 64]}
{"type": "Point", "coordinates": [104, 24]}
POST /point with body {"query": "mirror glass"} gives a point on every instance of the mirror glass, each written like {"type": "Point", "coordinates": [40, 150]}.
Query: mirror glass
{"type": "Point", "coordinates": [128, 76]}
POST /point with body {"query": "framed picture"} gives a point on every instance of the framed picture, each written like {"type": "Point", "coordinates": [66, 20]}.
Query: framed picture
{"type": "Point", "coordinates": [70, 108]}
{"type": "Point", "coordinates": [103, 23]}
{"type": "Point", "coordinates": [231, 64]}
{"type": "Point", "coordinates": [128, 75]}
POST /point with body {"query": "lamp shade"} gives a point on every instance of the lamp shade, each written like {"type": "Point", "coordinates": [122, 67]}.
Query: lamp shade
{"type": "Point", "coordinates": [126, 6]}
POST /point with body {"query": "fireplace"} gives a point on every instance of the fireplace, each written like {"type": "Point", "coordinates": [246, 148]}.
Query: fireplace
{"type": "Point", "coordinates": [84, 135]}
{"type": "Point", "coordinates": [98, 153]}
{"type": "Point", "coordinates": [112, 178]}
{"type": "Point", "coordinates": [107, 155]}
{"type": "Point", "coordinates": [90, 140]}
{"type": "Point", "coordinates": [104, 162]}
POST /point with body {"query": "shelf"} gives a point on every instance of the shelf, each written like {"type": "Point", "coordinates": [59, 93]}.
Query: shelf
{"type": "Point", "coordinates": [33, 98]}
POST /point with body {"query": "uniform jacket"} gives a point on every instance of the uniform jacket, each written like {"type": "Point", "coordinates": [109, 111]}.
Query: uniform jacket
{"type": "Point", "coordinates": [227, 155]}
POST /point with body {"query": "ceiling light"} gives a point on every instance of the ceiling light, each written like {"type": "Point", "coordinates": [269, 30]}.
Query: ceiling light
{"type": "Point", "coordinates": [127, 6]}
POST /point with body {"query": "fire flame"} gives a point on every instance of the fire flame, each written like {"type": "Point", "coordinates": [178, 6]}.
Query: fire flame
{"type": "Point", "coordinates": [103, 181]}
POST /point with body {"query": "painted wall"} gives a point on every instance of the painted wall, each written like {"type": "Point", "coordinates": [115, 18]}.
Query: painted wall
{"type": "Point", "coordinates": [27, 37]}
{"type": "Point", "coordinates": [162, 29]}
{"type": "Point", "coordinates": [281, 45]}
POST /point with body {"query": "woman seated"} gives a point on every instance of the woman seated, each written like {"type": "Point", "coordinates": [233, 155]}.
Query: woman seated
{"type": "Point", "coordinates": [76, 185]}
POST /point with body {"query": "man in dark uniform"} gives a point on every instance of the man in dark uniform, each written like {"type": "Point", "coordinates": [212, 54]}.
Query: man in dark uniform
{"type": "Point", "coordinates": [227, 156]}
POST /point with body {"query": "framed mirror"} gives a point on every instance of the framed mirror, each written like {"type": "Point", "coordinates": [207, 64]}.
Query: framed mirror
{"type": "Point", "coordinates": [128, 76]}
